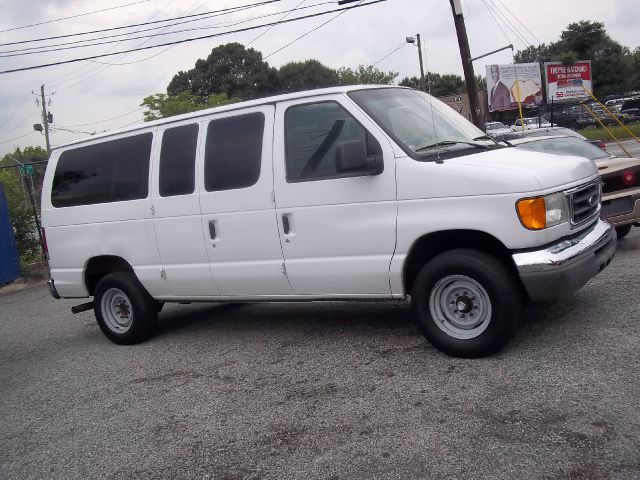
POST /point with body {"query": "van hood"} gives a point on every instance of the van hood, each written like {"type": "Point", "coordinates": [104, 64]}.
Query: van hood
{"type": "Point", "coordinates": [549, 170]}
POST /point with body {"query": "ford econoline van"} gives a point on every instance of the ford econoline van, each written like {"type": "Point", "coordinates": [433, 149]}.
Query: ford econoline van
{"type": "Point", "coordinates": [349, 193]}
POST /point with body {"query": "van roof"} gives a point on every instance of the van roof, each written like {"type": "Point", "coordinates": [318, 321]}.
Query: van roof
{"type": "Point", "coordinates": [226, 108]}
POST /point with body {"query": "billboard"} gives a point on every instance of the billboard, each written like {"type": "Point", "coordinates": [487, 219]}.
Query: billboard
{"type": "Point", "coordinates": [565, 82]}
{"type": "Point", "coordinates": [506, 84]}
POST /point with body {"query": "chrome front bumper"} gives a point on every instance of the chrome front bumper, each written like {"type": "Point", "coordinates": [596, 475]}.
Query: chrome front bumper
{"type": "Point", "coordinates": [565, 266]}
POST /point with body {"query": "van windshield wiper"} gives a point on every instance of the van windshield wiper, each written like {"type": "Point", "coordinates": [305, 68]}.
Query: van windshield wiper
{"type": "Point", "coordinates": [450, 142]}
{"type": "Point", "coordinates": [496, 139]}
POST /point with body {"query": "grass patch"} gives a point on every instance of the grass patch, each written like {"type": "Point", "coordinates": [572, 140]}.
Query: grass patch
{"type": "Point", "coordinates": [620, 133]}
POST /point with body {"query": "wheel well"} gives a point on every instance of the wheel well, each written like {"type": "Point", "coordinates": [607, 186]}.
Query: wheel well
{"type": "Point", "coordinates": [428, 246]}
{"type": "Point", "coordinates": [98, 267]}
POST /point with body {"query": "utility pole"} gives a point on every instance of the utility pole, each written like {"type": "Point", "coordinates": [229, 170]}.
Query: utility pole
{"type": "Point", "coordinates": [45, 119]}
{"type": "Point", "coordinates": [28, 171]}
{"type": "Point", "coordinates": [467, 66]}
{"type": "Point", "coordinates": [416, 40]}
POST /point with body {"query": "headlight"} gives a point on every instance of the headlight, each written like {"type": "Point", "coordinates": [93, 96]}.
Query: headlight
{"type": "Point", "coordinates": [542, 212]}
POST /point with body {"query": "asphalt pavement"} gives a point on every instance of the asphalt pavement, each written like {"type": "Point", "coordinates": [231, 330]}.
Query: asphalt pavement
{"type": "Point", "coordinates": [323, 391]}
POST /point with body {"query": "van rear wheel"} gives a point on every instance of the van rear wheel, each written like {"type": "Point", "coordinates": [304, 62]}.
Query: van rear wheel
{"type": "Point", "coordinates": [623, 231]}
{"type": "Point", "coordinates": [124, 310]}
{"type": "Point", "coordinates": [466, 303]}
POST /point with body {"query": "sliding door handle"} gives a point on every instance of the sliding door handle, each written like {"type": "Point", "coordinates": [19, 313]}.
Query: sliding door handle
{"type": "Point", "coordinates": [212, 229]}
{"type": "Point", "coordinates": [286, 224]}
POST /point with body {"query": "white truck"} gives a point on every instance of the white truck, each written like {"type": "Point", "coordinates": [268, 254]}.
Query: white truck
{"type": "Point", "coordinates": [349, 193]}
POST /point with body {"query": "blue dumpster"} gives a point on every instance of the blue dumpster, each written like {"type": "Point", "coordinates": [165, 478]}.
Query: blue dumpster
{"type": "Point", "coordinates": [9, 259]}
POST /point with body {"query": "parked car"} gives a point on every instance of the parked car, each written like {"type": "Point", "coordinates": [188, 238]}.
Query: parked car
{"type": "Point", "coordinates": [496, 129]}
{"type": "Point", "coordinates": [543, 132]}
{"type": "Point", "coordinates": [630, 110]}
{"type": "Point", "coordinates": [530, 123]}
{"type": "Point", "coordinates": [346, 193]}
{"type": "Point", "coordinates": [620, 177]}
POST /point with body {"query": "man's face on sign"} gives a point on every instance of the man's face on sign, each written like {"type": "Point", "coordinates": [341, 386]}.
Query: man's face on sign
{"type": "Point", "coordinates": [495, 74]}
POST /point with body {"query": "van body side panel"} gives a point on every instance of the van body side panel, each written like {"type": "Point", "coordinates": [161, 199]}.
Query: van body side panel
{"type": "Point", "coordinates": [239, 222]}
{"type": "Point", "coordinates": [178, 228]}
{"type": "Point", "coordinates": [125, 230]}
{"type": "Point", "coordinates": [75, 234]}
{"type": "Point", "coordinates": [341, 231]}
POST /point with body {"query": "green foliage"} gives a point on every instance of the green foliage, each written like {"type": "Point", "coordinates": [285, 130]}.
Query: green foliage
{"type": "Point", "coordinates": [298, 76]}
{"type": "Point", "coordinates": [16, 192]}
{"type": "Point", "coordinates": [443, 84]}
{"type": "Point", "coordinates": [160, 105]}
{"type": "Point", "coordinates": [619, 132]}
{"type": "Point", "coordinates": [365, 75]}
{"type": "Point", "coordinates": [614, 67]}
{"type": "Point", "coordinates": [229, 69]}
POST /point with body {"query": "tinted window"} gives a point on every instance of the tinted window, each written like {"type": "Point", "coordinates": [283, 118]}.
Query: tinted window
{"type": "Point", "coordinates": [106, 172]}
{"type": "Point", "coordinates": [233, 152]}
{"type": "Point", "coordinates": [178, 160]}
{"type": "Point", "coordinates": [312, 133]}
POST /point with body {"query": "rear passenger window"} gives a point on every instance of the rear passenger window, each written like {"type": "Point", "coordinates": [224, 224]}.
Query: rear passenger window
{"type": "Point", "coordinates": [106, 172]}
{"type": "Point", "coordinates": [233, 152]}
{"type": "Point", "coordinates": [178, 160]}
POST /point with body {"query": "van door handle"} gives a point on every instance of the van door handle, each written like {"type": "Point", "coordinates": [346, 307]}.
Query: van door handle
{"type": "Point", "coordinates": [286, 225]}
{"type": "Point", "coordinates": [212, 229]}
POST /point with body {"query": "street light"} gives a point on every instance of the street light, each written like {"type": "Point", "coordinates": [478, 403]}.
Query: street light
{"type": "Point", "coordinates": [416, 41]}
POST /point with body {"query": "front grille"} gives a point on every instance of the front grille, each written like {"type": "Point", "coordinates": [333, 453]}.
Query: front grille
{"type": "Point", "coordinates": [584, 203]}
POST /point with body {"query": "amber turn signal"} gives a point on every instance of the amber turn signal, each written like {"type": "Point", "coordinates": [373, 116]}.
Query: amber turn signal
{"type": "Point", "coordinates": [532, 213]}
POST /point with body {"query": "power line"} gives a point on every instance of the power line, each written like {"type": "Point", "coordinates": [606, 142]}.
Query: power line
{"type": "Point", "coordinates": [74, 16]}
{"type": "Point", "coordinates": [497, 22]}
{"type": "Point", "coordinates": [518, 20]}
{"type": "Point", "coordinates": [222, 11]}
{"type": "Point", "coordinates": [389, 54]}
{"type": "Point", "coordinates": [283, 17]}
{"type": "Point", "coordinates": [92, 72]}
{"type": "Point", "coordinates": [193, 39]}
{"type": "Point", "coordinates": [45, 48]}
{"type": "Point", "coordinates": [506, 22]}
{"type": "Point", "coordinates": [9, 116]}
{"type": "Point", "coordinates": [342, 11]}
{"type": "Point", "coordinates": [15, 138]}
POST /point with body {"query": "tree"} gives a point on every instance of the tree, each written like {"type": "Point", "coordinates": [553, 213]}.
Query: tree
{"type": "Point", "coordinates": [443, 84]}
{"type": "Point", "coordinates": [298, 76]}
{"type": "Point", "coordinates": [231, 69]}
{"type": "Point", "coordinates": [365, 75]}
{"type": "Point", "coordinates": [160, 105]}
{"type": "Point", "coordinates": [612, 64]}
{"type": "Point", "coordinates": [16, 192]}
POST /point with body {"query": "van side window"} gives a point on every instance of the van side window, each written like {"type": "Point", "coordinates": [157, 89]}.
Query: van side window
{"type": "Point", "coordinates": [233, 152]}
{"type": "Point", "coordinates": [178, 160]}
{"type": "Point", "coordinates": [312, 133]}
{"type": "Point", "coordinates": [110, 171]}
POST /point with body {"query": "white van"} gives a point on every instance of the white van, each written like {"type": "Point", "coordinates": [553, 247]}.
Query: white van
{"type": "Point", "coordinates": [346, 193]}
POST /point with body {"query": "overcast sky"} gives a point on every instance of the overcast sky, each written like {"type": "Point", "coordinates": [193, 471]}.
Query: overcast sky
{"type": "Point", "coordinates": [86, 92]}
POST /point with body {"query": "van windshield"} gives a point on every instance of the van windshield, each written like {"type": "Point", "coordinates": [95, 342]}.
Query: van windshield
{"type": "Point", "coordinates": [421, 124]}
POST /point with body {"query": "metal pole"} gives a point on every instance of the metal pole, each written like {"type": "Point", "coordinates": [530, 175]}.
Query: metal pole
{"type": "Point", "coordinates": [467, 66]}
{"type": "Point", "coordinates": [422, 85]}
{"type": "Point", "coordinates": [45, 120]}
{"type": "Point", "coordinates": [34, 208]}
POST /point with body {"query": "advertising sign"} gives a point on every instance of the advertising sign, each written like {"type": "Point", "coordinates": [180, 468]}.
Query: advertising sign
{"type": "Point", "coordinates": [566, 82]}
{"type": "Point", "coordinates": [506, 84]}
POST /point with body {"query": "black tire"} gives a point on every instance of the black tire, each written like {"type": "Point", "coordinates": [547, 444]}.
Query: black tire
{"type": "Point", "coordinates": [502, 291]}
{"type": "Point", "coordinates": [136, 307]}
{"type": "Point", "coordinates": [623, 231]}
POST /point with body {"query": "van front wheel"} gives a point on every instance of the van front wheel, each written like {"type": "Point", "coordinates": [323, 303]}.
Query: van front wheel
{"type": "Point", "coordinates": [125, 311]}
{"type": "Point", "coordinates": [466, 303]}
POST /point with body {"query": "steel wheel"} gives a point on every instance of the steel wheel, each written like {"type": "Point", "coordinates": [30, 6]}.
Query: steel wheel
{"type": "Point", "coordinates": [460, 307]}
{"type": "Point", "coordinates": [117, 310]}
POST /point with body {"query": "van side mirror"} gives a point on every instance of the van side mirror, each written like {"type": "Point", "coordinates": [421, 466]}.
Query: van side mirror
{"type": "Point", "coordinates": [351, 157]}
